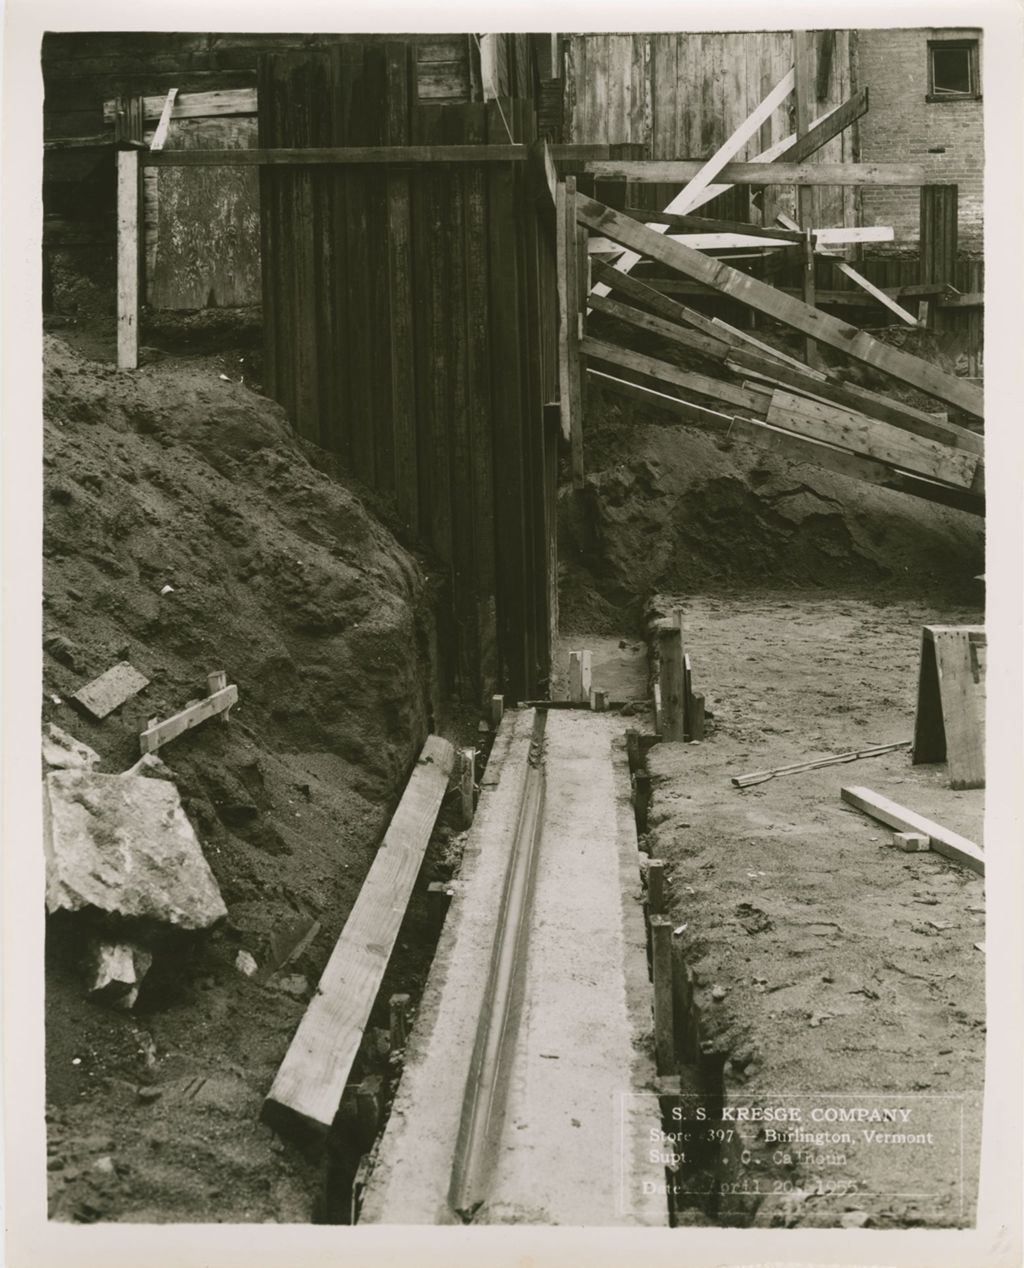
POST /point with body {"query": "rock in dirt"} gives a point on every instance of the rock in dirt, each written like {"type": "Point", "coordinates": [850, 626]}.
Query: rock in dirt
{"type": "Point", "coordinates": [63, 752]}
{"type": "Point", "coordinates": [117, 972]}
{"type": "Point", "coordinates": [855, 1219]}
{"type": "Point", "coordinates": [123, 845]}
{"type": "Point", "coordinates": [65, 650]}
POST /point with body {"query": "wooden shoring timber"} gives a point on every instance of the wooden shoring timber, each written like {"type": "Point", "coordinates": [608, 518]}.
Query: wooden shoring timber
{"type": "Point", "coordinates": [661, 400]}
{"type": "Point", "coordinates": [780, 370]}
{"type": "Point", "coordinates": [682, 335]}
{"type": "Point", "coordinates": [129, 202]}
{"type": "Point", "coordinates": [574, 319]}
{"type": "Point", "coordinates": [802, 50]}
{"type": "Point", "coordinates": [872, 438]}
{"type": "Point", "coordinates": [308, 1087]}
{"type": "Point", "coordinates": [662, 171]}
{"type": "Point", "coordinates": [870, 288]}
{"type": "Point", "coordinates": [737, 240]}
{"type": "Point", "coordinates": [703, 178]}
{"type": "Point", "coordinates": [701, 224]}
{"type": "Point", "coordinates": [856, 466]}
{"type": "Point", "coordinates": [664, 372]}
{"type": "Point", "coordinates": [339, 156]}
{"type": "Point", "coordinates": [943, 840]}
{"type": "Point", "coordinates": [757, 295]}
{"type": "Point", "coordinates": [562, 275]}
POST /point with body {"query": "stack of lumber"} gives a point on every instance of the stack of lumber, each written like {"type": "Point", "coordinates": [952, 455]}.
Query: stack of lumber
{"type": "Point", "coordinates": [758, 394]}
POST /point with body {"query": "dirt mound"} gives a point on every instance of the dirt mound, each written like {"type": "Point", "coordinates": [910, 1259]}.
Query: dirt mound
{"type": "Point", "coordinates": [671, 507]}
{"type": "Point", "coordinates": [187, 530]}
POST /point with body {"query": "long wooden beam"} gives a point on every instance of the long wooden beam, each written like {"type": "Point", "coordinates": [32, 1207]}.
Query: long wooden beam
{"type": "Point", "coordinates": [943, 840]}
{"type": "Point", "coordinates": [702, 179]}
{"type": "Point", "coordinates": [129, 204]}
{"type": "Point", "coordinates": [668, 170]}
{"type": "Point", "coordinates": [867, 436]}
{"type": "Point", "coordinates": [730, 241]}
{"type": "Point", "coordinates": [338, 155]}
{"type": "Point", "coordinates": [792, 312]}
{"type": "Point", "coordinates": [307, 1089]}
{"type": "Point", "coordinates": [780, 370]}
{"type": "Point", "coordinates": [871, 289]}
{"type": "Point", "coordinates": [702, 224]}
{"type": "Point", "coordinates": [664, 372]}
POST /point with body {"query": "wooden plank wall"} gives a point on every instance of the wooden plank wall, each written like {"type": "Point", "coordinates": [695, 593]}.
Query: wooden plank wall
{"type": "Point", "coordinates": [411, 327]}
{"type": "Point", "coordinates": [186, 269]}
{"type": "Point", "coordinates": [682, 94]}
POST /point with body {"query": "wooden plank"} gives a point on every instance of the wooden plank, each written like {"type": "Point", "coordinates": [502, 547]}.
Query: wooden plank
{"type": "Point", "coordinates": [872, 438]}
{"type": "Point", "coordinates": [110, 690]}
{"type": "Point", "coordinates": [754, 173]}
{"type": "Point", "coordinates": [660, 400]}
{"type": "Point", "coordinates": [159, 733]}
{"type": "Point", "coordinates": [339, 155]}
{"type": "Point", "coordinates": [944, 841]}
{"type": "Point", "coordinates": [686, 338]}
{"type": "Point", "coordinates": [307, 1088]}
{"type": "Point", "coordinates": [747, 290]}
{"type": "Point", "coordinates": [128, 238]}
{"type": "Point", "coordinates": [961, 694]}
{"type": "Point", "coordinates": [574, 319]}
{"type": "Point", "coordinates": [859, 400]}
{"type": "Point", "coordinates": [802, 50]}
{"type": "Point", "coordinates": [671, 682]}
{"type": "Point", "coordinates": [735, 241]}
{"type": "Point", "coordinates": [826, 48]}
{"type": "Point", "coordinates": [700, 181]}
{"type": "Point", "coordinates": [878, 294]}
{"type": "Point", "coordinates": [803, 449]}
{"type": "Point", "coordinates": [561, 265]}
{"type": "Point", "coordinates": [703, 385]}
{"type": "Point", "coordinates": [194, 105]}
{"type": "Point", "coordinates": [508, 405]}
{"type": "Point", "coordinates": [163, 127]}
{"type": "Point", "coordinates": [766, 350]}
{"type": "Point", "coordinates": [703, 224]}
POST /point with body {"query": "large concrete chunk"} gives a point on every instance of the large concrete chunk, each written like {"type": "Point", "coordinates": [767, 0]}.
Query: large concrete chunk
{"type": "Point", "coordinates": [123, 845]}
{"type": "Point", "coordinates": [63, 752]}
{"type": "Point", "coordinates": [110, 690]}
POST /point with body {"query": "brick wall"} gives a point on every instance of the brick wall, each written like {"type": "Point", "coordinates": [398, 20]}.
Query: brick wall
{"type": "Point", "coordinates": [902, 125]}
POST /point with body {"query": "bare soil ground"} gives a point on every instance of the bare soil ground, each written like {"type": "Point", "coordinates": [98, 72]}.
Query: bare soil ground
{"type": "Point", "coordinates": [846, 965]}
{"type": "Point", "coordinates": [180, 475]}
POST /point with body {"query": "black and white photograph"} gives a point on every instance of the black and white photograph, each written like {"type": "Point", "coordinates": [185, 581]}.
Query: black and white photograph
{"type": "Point", "coordinates": [514, 525]}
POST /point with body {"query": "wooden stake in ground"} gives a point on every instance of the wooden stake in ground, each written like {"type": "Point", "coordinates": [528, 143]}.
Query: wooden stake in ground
{"type": "Point", "coordinates": [579, 677]}
{"type": "Point", "coordinates": [664, 1020]}
{"type": "Point", "coordinates": [671, 682]}
{"type": "Point", "coordinates": [128, 203]}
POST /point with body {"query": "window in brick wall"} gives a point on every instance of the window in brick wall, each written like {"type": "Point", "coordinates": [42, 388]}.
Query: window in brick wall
{"type": "Point", "coordinates": [953, 70]}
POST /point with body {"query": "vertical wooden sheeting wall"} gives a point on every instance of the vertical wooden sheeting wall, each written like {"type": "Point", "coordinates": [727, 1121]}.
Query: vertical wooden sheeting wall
{"type": "Point", "coordinates": [411, 327]}
{"type": "Point", "coordinates": [938, 237]}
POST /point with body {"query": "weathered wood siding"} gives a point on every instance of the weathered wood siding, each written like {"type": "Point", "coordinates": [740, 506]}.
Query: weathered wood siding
{"type": "Point", "coordinates": [682, 94]}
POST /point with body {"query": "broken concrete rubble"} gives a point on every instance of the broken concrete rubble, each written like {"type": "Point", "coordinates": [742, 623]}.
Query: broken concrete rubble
{"type": "Point", "coordinates": [122, 845]}
{"type": "Point", "coordinates": [116, 972]}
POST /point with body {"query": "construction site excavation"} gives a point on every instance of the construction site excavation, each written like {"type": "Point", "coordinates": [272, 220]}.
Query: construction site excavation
{"type": "Point", "coordinates": [513, 708]}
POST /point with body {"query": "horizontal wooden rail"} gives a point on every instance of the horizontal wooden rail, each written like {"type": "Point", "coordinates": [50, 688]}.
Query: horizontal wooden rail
{"type": "Point", "coordinates": [670, 170]}
{"type": "Point", "coordinates": [338, 155]}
